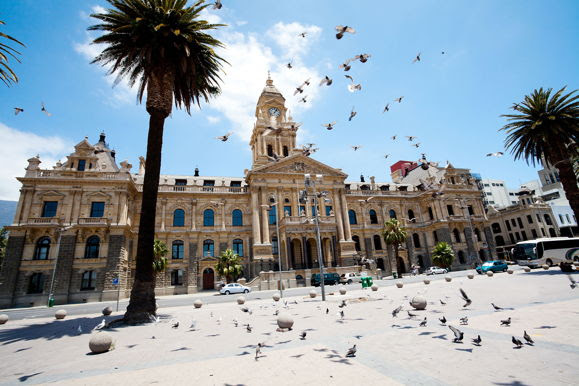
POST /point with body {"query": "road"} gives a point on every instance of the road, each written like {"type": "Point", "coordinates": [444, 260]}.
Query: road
{"type": "Point", "coordinates": [207, 297]}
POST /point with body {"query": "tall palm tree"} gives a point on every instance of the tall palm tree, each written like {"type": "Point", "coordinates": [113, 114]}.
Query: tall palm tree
{"type": "Point", "coordinates": [394, 235]}
{"type": "Point", "coordinates": [6, 74]}
{"type": "Point", "coordinates": [160, 262]}
{"type": "Point", "coordinates": [545, 129]}
{"type": "Point", "coordinates": [442, 255]}
{"type": "Point", "coordinates": [162, 45]}
{"type": "Point", "coordinates": [229, 265]}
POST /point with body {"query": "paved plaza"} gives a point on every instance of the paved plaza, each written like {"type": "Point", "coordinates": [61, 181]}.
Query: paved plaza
{"type": "Point", "coordinates": [390, 350]}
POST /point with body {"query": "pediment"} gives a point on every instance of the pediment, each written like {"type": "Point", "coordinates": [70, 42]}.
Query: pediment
{"type": "Point", "coordinates": [51, 193]}
{"type": "Point", "coordinates": [98, 194]}
{"type": "Point", "coordinates": [298, 164]}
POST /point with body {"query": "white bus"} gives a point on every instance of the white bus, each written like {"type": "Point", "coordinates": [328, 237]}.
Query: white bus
{"type": "Point", "coordinates": [559, 251]}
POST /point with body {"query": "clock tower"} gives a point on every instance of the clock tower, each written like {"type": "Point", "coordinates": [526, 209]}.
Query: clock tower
{"type": "Point", "coordinates": [274, 132]}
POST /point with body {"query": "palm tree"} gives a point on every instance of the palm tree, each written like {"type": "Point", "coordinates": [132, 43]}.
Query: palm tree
{"type": "Point", "coordinates": [229, 265]}
{"type": "Point", "coordinates": [6, 74]}
{"type": "Point", "coordinates": [162, 45]}
{"type": "Point", "coordinates": [546, 130]}
{"type": "Point", "coordinates": [160, 262]}
{"type": "Point", "coordinates": [394, 234]}
{"type": "Point", "coordinates": [442, 255]}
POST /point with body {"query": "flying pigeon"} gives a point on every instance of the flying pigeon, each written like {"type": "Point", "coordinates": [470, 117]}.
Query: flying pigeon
{"type": "Point", "coordinates": [477, 341]}
{"type": "Point", "coordinates": [349, 77]}
{"type": "Point", "coordinates": [423, 323]}
{"type": "Point", "coordinates": [497, 308]}
{"type": "Point", "coordinates": [329, 126]}
{"type": "Point", "coordinates": [343, 29]}
{"type": "Point", "coordinates": [300, 89]}
{"type": "Point", "coordinates": [193, 325]}
{"type": "Point", "coordinates": [289, 64]}
{"type": "Point", "coordinates": [363, 57]}
{"type": "Point", "coordinates": [352, 114]}
{"type": "Point", "coordinates": [18, 110]}
{"type": "Point", "coordinates": [517, 342]}
{"type": "Point", "coordinates": [386, 108]}
{"type": "Point", "coordinates": [411, 138]}
{"type": "Point", "coordinates": [386, 155]}
{"type": "Point", "coordinates": [396, 311]}
{"type": "Point", "coordinates": [346, 65]}
{"type": "Point", "coordinates": [327, 81]}
{"type": "Point", "coordinates": [393, 137]}
{"type": "Point", "coordinates": [496, 154]}
{"type": "Point", "coordinates": [458, 335]}
{"type": "Point", "coordinates": [303, 34]}
{"type": "Point", "coordinates": [417, 58]}
{"type": "Point", "coordinates": [354, 87]}
{"type": "Point", "coordinates": [399, 100]}
{"type": "Point", "coordinates": [464, 321]}
{"type": "Point", "coordinates": [466, 299]}
{"type": "Point", "coordinates": [43, 109]}
{"type": "Point", "coordinates": [515, 106]}
{"type": "Point", "coordinates": [224, 138]}
{"type": "Point", "coordinates": [100, 326]}
{"type": "Point", "coordinates": [506, 322]}
{"type": "Point", "coordinates": [303, 100]}
{"type": "Point", "coordinates": [217, 4]}
{"type": "Point", "coordinates": [351, 352]}
{"type": "Point", "coordinates": [528, 338]}
{"type": "Point", "coordinates": [303, 335]}
{"type": "Point", "coordinates": [573, 284]}
{"type": "Point", "coordinates": [442, 320]}
{"type": "Point", "coordinates": [355, 147]}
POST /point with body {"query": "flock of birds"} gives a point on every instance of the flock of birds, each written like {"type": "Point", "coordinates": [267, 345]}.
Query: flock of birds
{"type": "Point", "coordinates": [18, 110]}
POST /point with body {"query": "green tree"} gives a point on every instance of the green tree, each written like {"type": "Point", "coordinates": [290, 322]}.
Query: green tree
{"type": "Point", "coordinates": [229, 265]}
{"type": "Point", "coordinates": [3, 242]}
{"type": "Point", "coordinates": [394, 235]}
{"type": "Point", "coordinates": [160, 250]}
{"type": "Point", "coordinates": [442, 255]}
{"type": "Point", "coordinates": [163, 46]}
{"type": "Point", "coordinates": [545, 128]}
{"type": "Point", "coordinates": [6, 74]}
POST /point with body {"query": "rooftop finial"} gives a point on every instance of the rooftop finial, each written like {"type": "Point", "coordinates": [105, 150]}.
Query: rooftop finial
{"type": "Point", "coordinates": [269, 82]}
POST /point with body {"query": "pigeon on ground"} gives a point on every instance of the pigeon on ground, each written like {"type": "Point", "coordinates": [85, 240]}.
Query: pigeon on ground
{"type": "Point", "coordinates": [417, 58]}
{"type": "Point", "coordinates": [327, 311]}
{"type": "Point", "coordinates": [442, 320]}
{"type": "Point", "coordinates": [327, 81]}
{"type": "Point", "coordinates": [466, 299]}
{"type": "Point", "coordinates": [528, 338]}
{"type": "Point", "coordinates": [303, 335]}
{"type": "Point", "coordinates": [235, 322]}
{"type": "Point", "coordinates": [411, 315]}
{"type": "Point", "coordinates": [341, 314]}
{"type": "Point", "coordinates": [477, 341]}
{"type": "Point", "coordinates": [43, 109]}
{"type": "Point", "coordinates": [458, 335]}
{"type": "Point", "coordinates": [258, 351]}
{"type": "Point", "coordinates": [343, 29]}
{"type": "Point", "coordinates": [244, 309]}
{"type": "Point", "coordinates": [276, 313]}
{"type": "Point", "coordinates": [517, 342]}
{"type": "Point", "coordinates": [329, 126]}
{"type": "Point", "coordinates": [464, 321]}
{"type": "Point", "coordinates": [443, 303]}
{"type": "Point", "coordinates": [193, 325]}
{"type": "Point", "coordinates": [423, 323]}
{"type": "Point", "coordinates": [248, 328]}
{"type": "Point", "coordinates": [352, 114]}
{"type": "Point", "coordinates": [573, 284]}
{"type": "Point", "coordinates": [175, 324]}
{"type": "Point", "coordinates": [396, 311]}
{"type": "Point", "coordinates": [101, 325]}
{"type": "Point", "coordinates": [224, 138]}
{"type": "Point", "coordinates": [351, 352]}
{"type": "Point", "coordinates": [18, 110]}
{"type": "Point", "coordinates": [497, 308]}
{"type": "Point", "coordinates": [343, 304]}
{"type": "Point", "coordinates": [506, 322]}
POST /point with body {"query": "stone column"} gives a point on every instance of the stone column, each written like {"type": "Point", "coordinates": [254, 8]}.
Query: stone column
{"type": "Point", "coordinates": [255, 217]}
{"type": "Point", "coordinates": [222, 205]}
{"type": "Point", "coordinates": [338, 214]}
{"type": "Point", "coordinates": [265, 224]}
{"type": "Point", "coordinates": [347, 230]}
{"type": "Point", "coordinates": [193, 214]}
{"type": "Point", "coordinates": [163, 209]}
{"type": "Point", "coordinates": [18, 213]}
{"type": "Point", "coordinates": [25, 215]}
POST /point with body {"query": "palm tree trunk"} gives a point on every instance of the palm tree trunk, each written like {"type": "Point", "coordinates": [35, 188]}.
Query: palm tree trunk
{"type": "Point", "coordinates": [568, 179]}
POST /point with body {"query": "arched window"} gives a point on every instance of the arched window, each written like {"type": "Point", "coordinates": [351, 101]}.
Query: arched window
{"type": "Point", "coordinates": [435, 236]}
{"type": "Point", "coordinates": [411, 217]}
{"type": "Point", "coordinates": [91, 249]}
{"type": "Point", "coordinates": [285, 151]}
{"type": "Point", "coordinates": [272, 215]}
{"type": "Point", "coordinates": [88, 281]}
{"type": "Point", "coordinates": [238, 247]}
{"type": "Point", "coordinates": [377, 243]}
{"type": "Point", "coordinates": [477, 234]}
{"type": "Point", "coordinates": [392, 213]}
{"type": "Point", "coordinates": [552, 232]}
{"type": "Point", "coordinates": [430, 213]}
{"type": "Point", "coordinates": [42, 248]}
{"type": "Point", "coordinates": [548, 220]}
{"type": "Point", "coordinates": [274, 246]}
{"type": "Point", "coordinates": [373, 217]}
{"type": "Point", "coordinates": [208, 248]}
{"type": "Point", "coordinates": [236, 218]}
{"type": "Point", "coordinates": [416, 240]}
{"type": "Point", "coordinates": [356, 240]}
{"type": "Point", "coordinates": [461, 258]}
{"type": "Point", "coordinates": [179, 218]}
{"type": "Point", "coordinates": [456, 234]}
{"type": "Point", "coordinates": [36, 283]}
{"type": "Point", "coordinates": [352, 216]}
{"type": "Point", "coordinates": [178, 249]}
{"type": "Point", "coordinates": [208, 218]}
{"type": "Point", "coordinates": [496, 227]}
{"type": "Point", "coordinates": [270, 150]}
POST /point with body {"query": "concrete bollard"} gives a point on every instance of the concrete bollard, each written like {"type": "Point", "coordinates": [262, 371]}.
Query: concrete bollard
{"type": "Point", "coordinates": [241, 300]}
{"type": "Point", "coordinates": [313, 294]}
{"type": "Point", "coordinates": [527, 269]}
{"type": "Point", "coordinates": [426, 281]}
{"type": "Point", "coordinates": [510, 271]}
{"type": "Point", "coordinates": [276, 297]}
{"type": "Point", "coordinates": [399, 284]}
{"type": "Point", "coordinates": [448, 279]}
{"type": "Point", "coordinates": [470, 276]}
{"type": "Point", "coordinates": [490, 273]}
{"type": "Point", "coordinates": [100, 342]}
{"type": "Point", "coordinates": [3, 318]}
{"type": "Point", "coordinates": [107, 311]}
{"type": "Point", "coordinates": [374, 287]}
{"type": "Point", "coordinates": [197, 303]}
{"type": "Point", "coordinates": [60, 314]}
{"type": "Point", "coordinates": [343, 290]}
{"type": "Point", "coordinates": [418, 302]}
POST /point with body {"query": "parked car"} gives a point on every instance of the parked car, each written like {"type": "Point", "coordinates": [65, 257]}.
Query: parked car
{"type": "Point", "coordinates": [234, 288]}
{"type": "Point", "coordinates": [329, 279]}
{"type": "Point", "coordinates": [494, 266]}
{"type": "Point", "coordinates": [352, 277]}
{"type": "Point", "coordinates": [435, 270]}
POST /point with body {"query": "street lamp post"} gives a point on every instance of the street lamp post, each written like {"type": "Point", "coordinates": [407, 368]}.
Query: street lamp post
{"type": "Point", "coordinates": [275, 204]}
{"type": "Point", "coordinates": [309, 182]}
{"type": "Point", "coordinates": [60, 231]}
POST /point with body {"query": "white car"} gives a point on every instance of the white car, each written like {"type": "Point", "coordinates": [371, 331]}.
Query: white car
{"type": "Point", "coordinates": [352, 277]}
{"type": "Point", "coordinates": [234, 288]}
{"type": "Point", "coordinates": [435, 270]}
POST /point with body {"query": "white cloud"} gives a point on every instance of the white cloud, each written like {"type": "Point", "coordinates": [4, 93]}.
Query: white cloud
{"type": "Point", "coordinates": [213, 119]}
{"type": "Point", "coordinates": [24, 145]}
{"type": "Point", "coordinates": [287, 38]}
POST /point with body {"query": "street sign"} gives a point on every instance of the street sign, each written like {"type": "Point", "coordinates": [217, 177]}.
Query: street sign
{"type": "Point", "coordinates": [116, 281]}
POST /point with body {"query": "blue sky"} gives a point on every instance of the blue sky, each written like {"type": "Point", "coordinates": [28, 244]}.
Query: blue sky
{"type": "Point", "coordinates": [495, 53]}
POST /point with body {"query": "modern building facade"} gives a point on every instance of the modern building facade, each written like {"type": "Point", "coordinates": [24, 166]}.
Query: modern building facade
{"type": "Point", "coordinates": [75, 229]}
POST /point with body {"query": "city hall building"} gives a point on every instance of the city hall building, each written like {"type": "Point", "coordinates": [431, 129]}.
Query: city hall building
{"type": "Point", "coordinates": [76, 224]}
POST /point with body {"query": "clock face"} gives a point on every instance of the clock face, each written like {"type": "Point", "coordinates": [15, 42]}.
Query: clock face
{"type": "Point", "coordinates": [274, 112]}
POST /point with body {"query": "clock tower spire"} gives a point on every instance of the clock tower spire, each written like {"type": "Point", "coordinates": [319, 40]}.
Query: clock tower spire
{"type": "Point", "coordinates": [274, 132]}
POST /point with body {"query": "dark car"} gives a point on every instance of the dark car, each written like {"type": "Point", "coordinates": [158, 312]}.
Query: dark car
{"type": "Point", "coordinates": [329, 279]}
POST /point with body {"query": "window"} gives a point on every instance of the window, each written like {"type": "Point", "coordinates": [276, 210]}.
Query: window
{"type": "Point", "coordinates": [287, 210]}
{"type": "Point", "coordinates": [352, 216]}
{"type": "Point", "coordinates": [518, 236]}
{"type": "Point", "coordinates": [274, 246]}
{"type": "Point", "coordinates": [477, 234]}
{"type": "Point", "coordinates": [377, 243]}
{"type": "Point", "coordinates": [208, 182]}
{"type": "Point", "coordinates": [534, 233]}
{"type": "Point", "coordinates": [302, 210]}
{"type": "Point", "coordinates": [49, 208]}
{"type": "Point", "coordinates": [356, 240]}
{"type": "Point", "coordinates": [328, 210]}
{"type": "Point", "coordinates": [179, 218]}
{"type": "Point", "coordinates": [499, 240]}
{"type": "Point", "coordinates": [513, 222]}
{"type": "Point", "coordinates": [496, 227]}
{"type": "Point", "coordinates": [88, 281]}
{"type": "Point", "coordinates": [568, 218]}
{"type": "Point", "coordinates": [450, 210]}
{"type": "Point", "coordinates": [508, 224]}
{"type": "Point", "coordinates": [238, 247]}
{"type": "Point", "coordinates": [520, 222]}
{"type": "Point", "coordinates": [208, 218]}
{"type": "Point", "coordinates": [97, 209]}
{"type": "Point", "coordinates": [91, 249]}
{"type": "Point", "coordinates": [36, 283]}
{"type": "Point", "coordinates": [411, 217]}
{"type": "Point", "coordinates": [81, 165]}
{"type": "Point", "coordinates": [456, 234]}
{"type": "Point", "coordinates": [313, 210]}
{"type": "Point", "coordinates": [392, 213]}
{"type": "Point", "coordinates": [180, 182]}
{"type": "Point", "coordinates": [470, 210]}
{"type": "Point", "coordinates": [272, 215]}
{"type": "Point", "coordinates": [285, 151]}
{"type": "Point", "coordinates": [543, 232]}
{"type": "Point", "coordinates": [512, 238]}
{"type": "Point", "coordinates": [235, 184]}
{"type": "Point", "coordinates": [524, 235]}
{"type": "Point", "coordinates": [461, 258]}
{"type": "Point", "coordinates": [42, 249]}
{"type": "Point", "coordinates": [435, 236]}
{"type": "Point", "coordinates": [561, 220]}
{"type": "Point", "coordinates": [208, 248]}
{"type": "Point", "coordinates": [529, 219]}
{"type": "Point", "coordinates": [237, 218]}
{"type": "Point", "coordinates": [177, 277]}
{"type": "Point", "coordinates": [270, 150]}
{"type": "Point", "coordinates": [430, 213]}
{"type": "Point", "coordinates": [548, 220]}
{"type": "Point", "coordinates": [373, 217]}
{"type": "Point", "coordinates": [539, 218]}
{"type": "Point", "coordinates": [416, 240]}
{"type": "Point", "coordinates": [178, 249]}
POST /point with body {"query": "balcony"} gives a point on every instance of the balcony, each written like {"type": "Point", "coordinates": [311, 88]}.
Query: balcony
{"type": "Point", "coordinates": [80, 174]}
{"type": "Point", "coordinates": [199, 189]}
{"type": "Point", "coordinates": [93, 221]}
{"type": "Point", "coordinates": [44, 221]}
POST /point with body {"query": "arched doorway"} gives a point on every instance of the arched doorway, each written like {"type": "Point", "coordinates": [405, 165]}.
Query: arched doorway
{"type": "Point", "coordinates": [208, 279]}
{"type": "Point", "coordinates": [400, 266]}
{"type": "Point", "coordinates": [312, 254]}
{"type": "Point", "coordinates": [421, 262]}
{"type": "Point", "coordinates": [380, 263]}
{"type": "Point", "coordinates": [481, 255]}
{"type": "Point", "coordinates": [296, 254]}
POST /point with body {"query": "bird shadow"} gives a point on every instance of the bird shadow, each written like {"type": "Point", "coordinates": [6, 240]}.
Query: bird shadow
{"type": "Point", "coordinates": [297, 356]}
{"type": "Point", "coordinates": [330, 356]}
{"type": "Point", "coordinates": [243, 353]}
{"type": "Point", "coordinates": [310, 329]}
{"type": "Point", "coordinates": [248, 346]}
{"type": "Point", "coordinates": [306, 317]}
{"type": "Point", "coordinates": [468, 350]}
{"type": "Point", "coordinates": [513, 383]}
{"type": "Point", "coordinates": [443, 337]}
{"type": "Point", "coordinates": [22, 349]}
{"type": "Point", "coordinates": [426, 333]}
{"type": "Point", "coordinates": [266, 333]}
{"type": "Point", "coordinates": [436, 311]}
{"type": "Point", "coordinates": [24, 378]}
{"type": "Point", "coordinates": [212, 335]}
{"type": "Point", "coordinates": [131, 345]}
{"type": "Point", "coordinates": [407, 327]}
{"type": "Point", "coordinates": [283, 342]}
{"type": "Point", "coordinates": [545, 327]}
{"type": "Point", "coordinates": [181, 349]}
{"type": "Point", "coordinates": [321, 349]}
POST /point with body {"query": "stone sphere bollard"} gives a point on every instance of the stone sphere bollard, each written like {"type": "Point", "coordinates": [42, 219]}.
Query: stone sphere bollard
{"type": "Point", "coordinates": [285, 321]}
{"type": "Point", "coordinates": [3, 318]}
{"type": "Point", "coordinates": [490, 273]}
{"type": "Point", "coordinates": [527, 269]}
{"type": "Point", "coordinates": [107, 311]}
{"type": "Point", "coordinates": [546, 267]}
{"type": "Point", "coordinates": [60, 314]}
{"type": "Point", "coordinates": [399, 284]}
{"type": "Point", "coordinates": [374, 287]}
{"type": "Point", "coordinates": [510, 271]}
{"type": "Point", "coordinates": [418, 302]}
{"type": "Point", "coordinates": [197, 303]}
{"type": "Point", "coordinates": [426, 281]}
{"type": "Point", "coordinates": [276, 297]}
{"type": "Point", "coordinates": [470, 276]}
{"type": "Point", "coordinates": [342, 290]}
{"type": "Point", "coordinates": [313, 294]}
{"type": "Point", "coordinates": [448, 279]}
{"type": "Point", "coordinates": [100, 342]}
{"type": "Point", "coordinates": [241, 300]}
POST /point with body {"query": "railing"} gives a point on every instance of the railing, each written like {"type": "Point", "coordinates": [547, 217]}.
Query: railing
{"type": "Point", "coordinates": [293, 220]}
{"type": "Point", "coordinates": [93, 221]}
{"type": "Point", "coordinates": [44, 220]}
{"type": "Point", "coordinates": [199, 189]}
{"type": "Point", "coordinates": [81, 174]}
{"type": "Point", "coordinates": [361, 192]}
